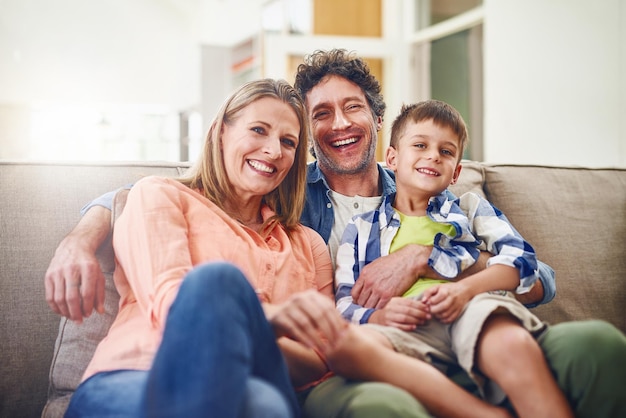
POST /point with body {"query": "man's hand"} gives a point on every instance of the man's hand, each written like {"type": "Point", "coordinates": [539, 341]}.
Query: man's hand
{"type": "Point", "coordinates": [402, 313]}
{"type": "Point", "coordinates": [74, 281]}
{"type": "Point", "coordinates": [391, 276]}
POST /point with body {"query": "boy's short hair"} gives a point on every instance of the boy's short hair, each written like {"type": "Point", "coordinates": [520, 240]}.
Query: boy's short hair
{"type": "Point", "coordinates": [441, 113]}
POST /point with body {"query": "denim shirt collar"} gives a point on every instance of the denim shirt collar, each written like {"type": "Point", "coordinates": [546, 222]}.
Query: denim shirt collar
{"type": "Point", "coordinates": [387, 178]}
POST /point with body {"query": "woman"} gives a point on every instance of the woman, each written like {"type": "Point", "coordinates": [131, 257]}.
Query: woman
{"type": "Point", "coordinates": [190, 341]}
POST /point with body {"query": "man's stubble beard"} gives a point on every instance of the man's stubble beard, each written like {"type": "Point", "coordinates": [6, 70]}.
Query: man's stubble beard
{"type": "Point", "coordinates": [328, 165]}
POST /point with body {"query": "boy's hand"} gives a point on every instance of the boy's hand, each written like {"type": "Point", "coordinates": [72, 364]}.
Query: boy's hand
{"type": "Point", "coordinates": [446, 301]}
{"type": "Point", "coordinates": [402, 313]}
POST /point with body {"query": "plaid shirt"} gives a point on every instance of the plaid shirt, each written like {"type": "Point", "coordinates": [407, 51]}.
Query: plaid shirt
{"type": "Point", "coordinates": [479, 226]}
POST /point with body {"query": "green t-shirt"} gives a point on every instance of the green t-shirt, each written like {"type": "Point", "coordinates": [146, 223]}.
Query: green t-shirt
{"type": "Point", "coordinates": [419, 230]}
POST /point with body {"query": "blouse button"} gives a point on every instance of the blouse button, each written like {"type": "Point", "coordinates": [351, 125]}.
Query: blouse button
{"type": "Point", "coordinates": [356, 205]}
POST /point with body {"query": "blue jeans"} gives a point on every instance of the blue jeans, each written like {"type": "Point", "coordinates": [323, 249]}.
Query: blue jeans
{"type": "Point", "coordinates": [218, 357]}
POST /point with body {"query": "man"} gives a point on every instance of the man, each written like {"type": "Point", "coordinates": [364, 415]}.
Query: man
{"type": "Point", "coordinates": [346, 110]}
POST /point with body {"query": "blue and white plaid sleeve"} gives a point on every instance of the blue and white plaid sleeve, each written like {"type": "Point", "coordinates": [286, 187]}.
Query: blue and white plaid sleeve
{"type": "Point", "coordinates": [500, 238]}
{"type": "Point", "coordinates": [348, 268]}
{"type": "Point", "coordinates": [105, 200]}
{"type": "Point", "coordinates": [450, 256]}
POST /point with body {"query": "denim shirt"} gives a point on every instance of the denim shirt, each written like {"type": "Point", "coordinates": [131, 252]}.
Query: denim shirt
{"type": "Point", "coordinates": [318, 210]}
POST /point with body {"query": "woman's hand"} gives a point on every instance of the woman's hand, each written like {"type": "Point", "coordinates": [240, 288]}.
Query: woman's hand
{"type": "Point", "coordinates": [308, 317]}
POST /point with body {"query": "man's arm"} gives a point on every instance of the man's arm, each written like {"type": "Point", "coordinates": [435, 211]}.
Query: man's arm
{"type": "Point", "coordinates": [393, 274]}
{"type": "Point", "coordinates": [74, 281]}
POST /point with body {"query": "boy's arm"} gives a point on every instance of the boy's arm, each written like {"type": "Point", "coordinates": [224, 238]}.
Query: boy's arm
{"type": "Point", "coordinates": [500, 238]}
{"type": "Point", "coordinates": [542, 292]}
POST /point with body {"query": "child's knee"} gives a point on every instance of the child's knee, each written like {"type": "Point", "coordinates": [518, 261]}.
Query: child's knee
{"type": "Point", "coordinates": [504, 341]}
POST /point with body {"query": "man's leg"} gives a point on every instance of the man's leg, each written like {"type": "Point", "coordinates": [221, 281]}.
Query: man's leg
{"type": "Point", "coordinates": [588, 359]}
{"type": "Point", "coordinates": [341, 398]}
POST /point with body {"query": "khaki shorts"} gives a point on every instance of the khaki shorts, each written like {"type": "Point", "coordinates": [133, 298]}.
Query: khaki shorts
{"type": "Point", "coordinates": [455, 343]}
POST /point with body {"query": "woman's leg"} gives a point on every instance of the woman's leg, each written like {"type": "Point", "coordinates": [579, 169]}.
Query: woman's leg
{"type": "Point", "coordinates": [510, 356]}
{"type": "Point", "coordinates": [365, 354]}
{"type": "Point", "coordinates": [263, 400]}
{"type": "Point", "coordinates": [119, 394]}
{"type": "Point", "coordinates": [216, 338]}
{"type": "Point", "coordinates": [108, 395]}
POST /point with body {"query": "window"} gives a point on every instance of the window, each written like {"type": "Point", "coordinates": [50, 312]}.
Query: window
{"type": "Point", "coordinates": [448, 60]}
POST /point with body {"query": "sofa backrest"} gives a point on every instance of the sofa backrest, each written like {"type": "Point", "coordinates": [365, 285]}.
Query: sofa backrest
{"type": "Point", "coordinates": [576, 220]}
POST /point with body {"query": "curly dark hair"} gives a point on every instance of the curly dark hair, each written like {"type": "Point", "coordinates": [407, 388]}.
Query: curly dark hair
{"type": "Point", "coordinates": [345, 64]}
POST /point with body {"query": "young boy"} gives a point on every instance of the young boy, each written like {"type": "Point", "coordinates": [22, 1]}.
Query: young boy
{"type": "Point", "coordinates": [471, 322]}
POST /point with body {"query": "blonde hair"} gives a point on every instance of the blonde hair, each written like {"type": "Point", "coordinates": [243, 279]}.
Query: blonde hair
{"type": "Point", "coordinates": [208, 174]}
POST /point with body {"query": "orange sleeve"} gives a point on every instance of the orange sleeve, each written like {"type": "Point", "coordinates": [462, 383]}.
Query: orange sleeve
{"type": "Point", "coordinates": [152, 246]}
{"type": "Point", "coordinates": [323, 264]}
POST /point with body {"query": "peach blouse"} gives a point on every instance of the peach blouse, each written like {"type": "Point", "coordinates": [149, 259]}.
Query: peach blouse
{"type": "Point", "coordinates": [167, 228]}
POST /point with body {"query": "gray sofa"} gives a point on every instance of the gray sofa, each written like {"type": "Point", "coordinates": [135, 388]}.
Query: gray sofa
{"type": "Point", "coordinates": [574, 217]}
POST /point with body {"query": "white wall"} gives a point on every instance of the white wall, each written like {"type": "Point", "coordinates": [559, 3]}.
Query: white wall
{"type": "Point", "coordinates": [89, 58]}
{"type": "Point", "coordinates": [120, 51]}
{"type": "Point", "coordinates": [555, 71]}
{"type": "Point", "coordinates": [555, 82]}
